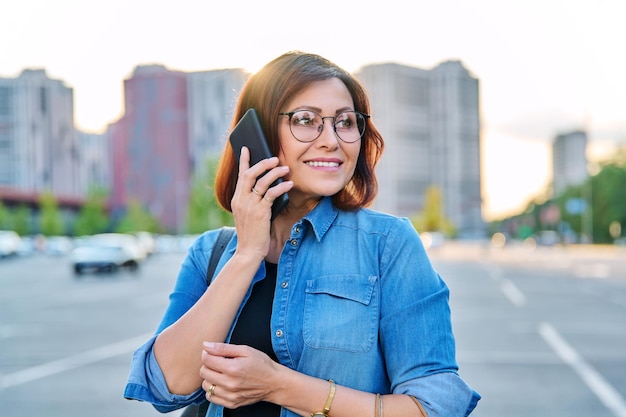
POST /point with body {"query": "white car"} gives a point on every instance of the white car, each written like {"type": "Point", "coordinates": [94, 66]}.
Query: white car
{"type": "Point", "coordinates": [146, 241]}
{"type": "Point", "coordinates": [106, 252]}
{"type": "Point", "coordinates": [10, 243]}
{"type": "Point", "coordinates": [58, 245]}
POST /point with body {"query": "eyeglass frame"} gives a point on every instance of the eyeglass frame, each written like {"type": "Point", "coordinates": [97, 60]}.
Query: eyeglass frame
{"type": "Point", "coordinates": [320, 129]}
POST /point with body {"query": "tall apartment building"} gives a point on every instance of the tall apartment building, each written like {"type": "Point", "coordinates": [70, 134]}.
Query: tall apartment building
{"type": "Point", "coordinates": [212, 96]}
{"type": "Point", "coordinates": [173, 122]}
{"type": "Point", "coordinates": [117, 137]}
{"type": "Point", "coordinates": [94, 163]}
{"type": "Point", "coordinates": [38, 150]}
{"type": "Point", "coordinates": [431, 125]}
{"type": "Point", "coordinates": [151, 146]}
{"type": "Point", "coordinates": [569, 160]}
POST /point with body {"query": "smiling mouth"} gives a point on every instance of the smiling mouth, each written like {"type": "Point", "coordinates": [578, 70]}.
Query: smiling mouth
{"type": "Point", "coordinates": [322, 164]}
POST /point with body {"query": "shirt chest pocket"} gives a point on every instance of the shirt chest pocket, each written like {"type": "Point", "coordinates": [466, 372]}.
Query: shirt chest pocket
{"type": "Point", "coordinates": [341, 312]}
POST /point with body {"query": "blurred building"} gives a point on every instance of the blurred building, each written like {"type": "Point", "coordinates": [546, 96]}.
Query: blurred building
{"type": "Point", "coordinates": [117, 137]}
{"type": "Point", "coordinates": [151, 146]}
{"type": "Point", "coordinates": [38, 150]}
{"type": "Point", "coordinates": [173, 122]}
{"type": "Point", "coordinates": [94, 164]}
{"type": "Point", "coordinates": [431, 125]}
{"type": "Point", "coordinates": [212, 96]}
{"type": "Point", "coordinates": [569, 160]}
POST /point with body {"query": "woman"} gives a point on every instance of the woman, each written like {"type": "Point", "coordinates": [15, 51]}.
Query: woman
{"type": "Point", "coordinates": [331, 309]}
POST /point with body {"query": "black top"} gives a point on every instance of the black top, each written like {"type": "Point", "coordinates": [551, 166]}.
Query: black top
{"type": "Point", "coordinates": [253, 329]}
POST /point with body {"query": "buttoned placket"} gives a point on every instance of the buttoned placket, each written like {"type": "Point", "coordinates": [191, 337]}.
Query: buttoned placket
{"type": "Point", "coordinates": [284, 274]}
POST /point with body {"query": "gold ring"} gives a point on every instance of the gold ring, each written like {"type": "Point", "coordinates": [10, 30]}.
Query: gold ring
{"type": "Point", "coordinates": [211, 391]}
{"type": "Point", "coordinates": [270, 200]}
{"type": "Point", "coordinates": [256, 192]}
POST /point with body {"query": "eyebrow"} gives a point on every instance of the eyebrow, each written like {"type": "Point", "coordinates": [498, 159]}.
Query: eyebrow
{"type": "Point", "coordinates": [319, 110]}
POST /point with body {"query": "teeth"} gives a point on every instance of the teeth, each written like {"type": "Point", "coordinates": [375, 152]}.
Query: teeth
{"type": "Point", "coordinates": [322, 164]}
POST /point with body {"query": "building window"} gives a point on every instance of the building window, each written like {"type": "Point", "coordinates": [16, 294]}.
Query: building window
{"type": "Point", "coordinates": [5, 101]}
{"type": "Point", "coordinates": [43, 96]}
{"type": "Point", "coordinates": [412, 91]}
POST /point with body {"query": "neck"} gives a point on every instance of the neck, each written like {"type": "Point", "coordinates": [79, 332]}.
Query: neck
{"type": "Point", "coordinates": [280, 229]}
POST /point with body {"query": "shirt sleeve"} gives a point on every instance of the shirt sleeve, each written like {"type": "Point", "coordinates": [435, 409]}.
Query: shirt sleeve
{"type": "Point", "coordinates": [442, 395]}
{"type": "Point", "coordinates": [147, 383]}
{"type": "Point", "coordinates": [416, 329]}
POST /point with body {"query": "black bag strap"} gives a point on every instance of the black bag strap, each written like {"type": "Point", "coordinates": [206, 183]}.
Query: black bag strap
{"type": "Point", "coordinates": [226, 233]}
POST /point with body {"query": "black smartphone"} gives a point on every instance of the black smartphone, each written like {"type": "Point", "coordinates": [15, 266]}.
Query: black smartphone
{"type": "Point", "coordinates": [249, 133]}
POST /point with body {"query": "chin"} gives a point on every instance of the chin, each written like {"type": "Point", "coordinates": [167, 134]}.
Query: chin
{"type": "Point", "coordinates": [318, 189]}
{"type": "Point", "coordinates": [327, 192]}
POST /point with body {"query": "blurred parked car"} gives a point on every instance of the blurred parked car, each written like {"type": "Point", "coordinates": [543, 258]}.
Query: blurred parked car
{"type": "Point", "coordinates": [10, 243]}
{"type": "Point", "coordinates": [146, 240]}
{"type": "Point", "coordinates": [28, 246]}
{"type": "Point", "coordinates": [58, 245]}
{"type": "Point", "coordinates": [106, 252]}
{"type": "Point", "coordinates": [547, 238]}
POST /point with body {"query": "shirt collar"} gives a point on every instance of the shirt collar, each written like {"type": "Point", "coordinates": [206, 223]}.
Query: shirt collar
{"type": "Point", "coordinates": [322, 217]}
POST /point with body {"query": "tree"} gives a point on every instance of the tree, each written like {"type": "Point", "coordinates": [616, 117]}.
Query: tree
{"type": "Point", "coordinates": [619, 158]}
{"type": "Point", "coordinates": [136, 219]}
{"type": "Point", "coordinates": [204, 211]}
{"type": "Point", "coordinates": [432, 218]}
{"type": "Point", "coordinates": [92, 217]}
{"type": "Point", "coordinates": [50, 220]}
{"type": "Point", "coordinates": [21, 220]}
{"type": "Point", "coordinates": [608, 201]}
{"type": "Point", "coordinates": [5, 217]}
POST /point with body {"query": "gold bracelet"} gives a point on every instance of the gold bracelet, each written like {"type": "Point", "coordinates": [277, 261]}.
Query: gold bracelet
{"type": "Point", "coordinates": [419, 405]}
{"type": "Point", "coordinates": [378, 407]}
{"type": "Point", "coordinates": [329, 401]}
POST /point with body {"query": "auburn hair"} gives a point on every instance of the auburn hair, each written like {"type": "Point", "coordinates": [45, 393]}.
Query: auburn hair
{"type": "Point", "coordinates": [268, 90]}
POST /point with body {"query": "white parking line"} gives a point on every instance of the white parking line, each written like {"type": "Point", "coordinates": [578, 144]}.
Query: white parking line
{"type": "Point", "coordinates": [513, 293]}
{"type": "Point", "coordinates": [72, 362]}
{"type": "Point", "coordinates": [609, 396]}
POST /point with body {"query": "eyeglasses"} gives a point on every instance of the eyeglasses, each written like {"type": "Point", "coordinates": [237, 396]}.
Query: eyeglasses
{"type": "Point", "coordinates": [307, 125]}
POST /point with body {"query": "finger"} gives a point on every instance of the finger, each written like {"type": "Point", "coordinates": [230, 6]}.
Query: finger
{"type": "Point", "coordinates": [244, 159]}
{"type": "Point", "coordinates": [257, 171]}
{"type": "Point", "coordinates": [274, 192]}
{"type": "Point", "coordinates": [263, 184]}
{"type": "Point", "coordinates": [224, 349]}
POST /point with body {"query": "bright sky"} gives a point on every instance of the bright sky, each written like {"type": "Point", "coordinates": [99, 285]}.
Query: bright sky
{"type": "Point", "coordinates": [545, 66]}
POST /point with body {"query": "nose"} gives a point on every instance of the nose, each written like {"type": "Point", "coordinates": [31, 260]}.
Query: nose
{"type": "Point", "coordinates": [328, 136]}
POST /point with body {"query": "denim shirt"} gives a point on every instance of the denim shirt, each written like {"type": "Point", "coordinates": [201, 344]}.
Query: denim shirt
{"type": "Point", "coordinates": [356, 301]}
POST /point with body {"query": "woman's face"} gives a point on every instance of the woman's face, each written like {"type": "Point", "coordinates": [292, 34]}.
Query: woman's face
{"type": "Point", "coordinates": [322, 167]}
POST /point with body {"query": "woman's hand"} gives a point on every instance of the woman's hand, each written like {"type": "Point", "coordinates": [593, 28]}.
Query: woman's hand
{"type": "Point", "coordinates": [241, 375]}
{"type": "Point", "coordinates": [252, 202]}
{"type": "Point", "coordinates": [238, 375]}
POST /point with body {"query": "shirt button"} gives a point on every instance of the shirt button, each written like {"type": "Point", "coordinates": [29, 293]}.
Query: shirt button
{"type": "Point", "coordinates": [279, 333]}
{"type": "Point", "coordinates": [294, 242]}
{"type": "Point", "coordinates": [297, 229]}
{"type": "Point", "coordinates": [284, 284]}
